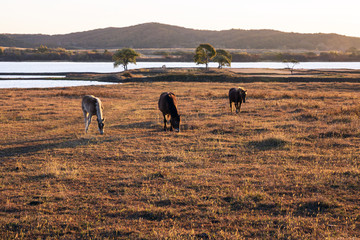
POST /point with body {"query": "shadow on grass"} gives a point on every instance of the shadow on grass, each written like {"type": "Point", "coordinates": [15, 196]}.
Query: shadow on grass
{"type": "Point", "coordinates": [268, 143]}
{"type": "Point", "coordinates": [153, 126]}
{"type": "Point", "coordinates": [66, 143]}
{"type": "Point", "coordinates": [33, 141]}
{"type": "Point", "coordinates": [313, 208]}
{"type": "Point", "coordinates": [145, 125]}
{"type": "Point", "coordinates": [150, 215]}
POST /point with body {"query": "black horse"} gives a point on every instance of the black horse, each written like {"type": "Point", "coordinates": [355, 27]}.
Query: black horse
{"type": "Point", "coordinates": [168, 107]}
{"type": "Point", "coordinates": [237, 96]}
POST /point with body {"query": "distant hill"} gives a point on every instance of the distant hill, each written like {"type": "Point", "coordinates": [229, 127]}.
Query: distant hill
{"type": "Point", "coordinates": [9, 41]}
{"type": "Point", "coordinates": [156, 35]}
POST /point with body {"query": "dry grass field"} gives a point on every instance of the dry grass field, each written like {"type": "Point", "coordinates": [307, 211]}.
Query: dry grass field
{"type": "Point", "coordinates": [286, 167]}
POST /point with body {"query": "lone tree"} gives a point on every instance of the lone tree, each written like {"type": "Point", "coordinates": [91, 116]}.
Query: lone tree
{"type": "Point", "coordinates": [223, 57]}
{"type": "Point", "coordinates": [290, 64]}
{"type": "Point", "coordinates": [124, 57]}
{"type": "Point", "coordinates": [204, 53]}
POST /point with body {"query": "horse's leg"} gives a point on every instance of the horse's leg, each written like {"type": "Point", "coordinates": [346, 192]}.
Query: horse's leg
{"type": "Point", "coordinates": [89, 121]}
{"type": "Point", "coordinates": [231, 109]}
{"type": "Point", "coordinates": [171, 127]}
{"type": "Point", "coordinates": [164, 122]}
{"type": "Point", "coordinates": [239, 106]}
{"type": "Point", "coordinates": [85, 119]}
{"type": "Point", "coordinates": [236, 106]}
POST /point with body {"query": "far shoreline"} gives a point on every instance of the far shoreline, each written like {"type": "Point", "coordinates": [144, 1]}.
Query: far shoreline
{"type": "Point", "coordinates": [221, 75]}
{"type": "Point", "coordinates": [203, 75]}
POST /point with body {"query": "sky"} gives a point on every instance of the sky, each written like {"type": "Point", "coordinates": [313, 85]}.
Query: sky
{"type": "Point", "coordinates": [67, 16]}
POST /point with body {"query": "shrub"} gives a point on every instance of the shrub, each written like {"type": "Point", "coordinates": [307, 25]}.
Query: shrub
{"type": "Point", "coordinates": [268, 143]}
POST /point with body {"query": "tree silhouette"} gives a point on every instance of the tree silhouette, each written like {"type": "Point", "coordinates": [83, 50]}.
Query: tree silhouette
{"type": "Point", "coordinates": [290, 64]}
{"type": "Point", "coordinates": [204, 53]}
{"type": "Point", "coordinates": [124, 57]}
{"type": "Point", "coordinates": [223, 57]}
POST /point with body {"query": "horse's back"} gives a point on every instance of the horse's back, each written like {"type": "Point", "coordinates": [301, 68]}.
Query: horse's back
{"type": "Point", "coordinates": [88, 99]}
{"type": "Point", "coordinates": [233, 95]}
{"type": "Point", "coordinates": [167, 101]}
{"type": "Point", "coordinates": [89, 104]}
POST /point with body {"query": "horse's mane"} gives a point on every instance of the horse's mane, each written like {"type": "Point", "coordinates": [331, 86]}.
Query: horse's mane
{"type": "Point", "coordinates": [99, 109]}
{"type": "Point", "coordinates": [171, 104]}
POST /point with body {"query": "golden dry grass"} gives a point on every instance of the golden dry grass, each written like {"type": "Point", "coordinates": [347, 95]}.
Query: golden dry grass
{"type": "Point", "coordinates": [286, 167]}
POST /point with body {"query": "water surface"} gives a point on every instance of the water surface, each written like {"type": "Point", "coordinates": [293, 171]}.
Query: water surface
{"type": "Point", "coordinates": [107, 67]}
{"type": "Point", "coordinates": [45, 70]}
{"type": "Point", "coordinates": [30, 76]}
{"type": "Point", "coordinates": [47, 83]}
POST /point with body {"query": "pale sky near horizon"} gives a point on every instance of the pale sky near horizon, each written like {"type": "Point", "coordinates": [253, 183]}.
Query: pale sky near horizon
{"type": "Point", "coordinates": [66, 16]}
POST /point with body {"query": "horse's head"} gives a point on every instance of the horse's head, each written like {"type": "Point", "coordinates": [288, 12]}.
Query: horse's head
{"type": "Point", "coordinates": [175, 123]}
{"type": "Point", "coordinates": [243, 95]}
{"type": "Point", "coordinates": [101, 125]}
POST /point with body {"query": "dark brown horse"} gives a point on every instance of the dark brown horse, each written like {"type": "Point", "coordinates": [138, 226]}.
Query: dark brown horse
{"type": "Point", "coordinates": [237, 96]}
{"type": "Point", "coordinates": [92, 106]}
{"type": "Point", "coordinates": [168, 107]}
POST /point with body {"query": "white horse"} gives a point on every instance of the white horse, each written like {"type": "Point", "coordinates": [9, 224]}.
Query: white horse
{"type": "Point", "coordinates": [92, 106]}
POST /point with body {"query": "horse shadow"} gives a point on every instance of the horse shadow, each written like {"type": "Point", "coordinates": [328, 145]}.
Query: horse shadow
{"type": "Point", "coordinates": [140, 125]}
{"type": "Point", "coordinates": [69, 143]}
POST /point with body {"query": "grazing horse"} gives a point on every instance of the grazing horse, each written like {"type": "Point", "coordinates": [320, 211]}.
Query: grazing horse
{"type": "Point", "coordinates": [168, 107]}
{"type": "Point", "coordinates": [92, 106]}
{"type": "Point", "coordinates": [237, 96]}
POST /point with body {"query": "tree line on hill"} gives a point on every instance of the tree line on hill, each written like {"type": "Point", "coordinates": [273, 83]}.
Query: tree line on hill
{"type": "Point", "coordinates": [156, 35]}
{"type": "Point", "coordinates": [43, 53]}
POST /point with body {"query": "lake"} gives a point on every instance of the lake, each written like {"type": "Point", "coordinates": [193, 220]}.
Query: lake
{"type": "Point", "coordinates": [30, 76]}
{"type": "Point", "coordinates": [16, 70]}
{"type": "Point", "coordinates": [47, 83]}
{"type": "Point", "coordinates": [107, 67]}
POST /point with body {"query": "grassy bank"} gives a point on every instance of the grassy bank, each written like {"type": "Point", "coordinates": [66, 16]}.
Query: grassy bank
{"type": "Point", "coordinates": [286, 167]}
{"type": "Point", "coordinates": [232, 75]}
